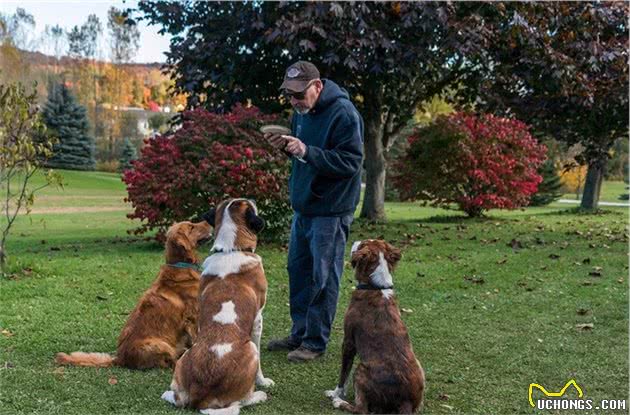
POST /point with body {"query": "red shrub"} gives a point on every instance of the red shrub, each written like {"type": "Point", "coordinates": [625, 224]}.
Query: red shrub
{"type": "Point", "coordinates": [211, 157]}
{"type": "Point", "coordinates": [477, 162]}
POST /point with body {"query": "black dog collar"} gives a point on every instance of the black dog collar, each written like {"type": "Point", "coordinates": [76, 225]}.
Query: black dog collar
{"type": "Point", "coordinates": [373, 287]}
{"type": "Point", "coordinates": [196, 267]}
{"type": "Point", "coordinates": [235, 250]}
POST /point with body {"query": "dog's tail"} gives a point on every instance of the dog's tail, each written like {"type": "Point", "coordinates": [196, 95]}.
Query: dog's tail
{"type": "Point", "coordinates": [86, 359]}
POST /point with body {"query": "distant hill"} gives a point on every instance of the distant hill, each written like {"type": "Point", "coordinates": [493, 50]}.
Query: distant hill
{"type": "Point", "coordinates": [140, 85]}
{"type": "Point", "coordinates": [40, 59]}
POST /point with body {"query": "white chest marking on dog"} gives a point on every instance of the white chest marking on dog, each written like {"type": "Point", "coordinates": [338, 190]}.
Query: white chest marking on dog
{"type": "Point", "coordinates": [227, 315]}
{"type": "Point", "coordinates": [355, 246]}
{"type": "Point", "coordinates": [387, 293]}
{"type": "Point", "coordinates": [222, 264]}
{"type": "Point", "coordinates": [221, 349]}
{"type": "Point", "coordinates": [381, 276]}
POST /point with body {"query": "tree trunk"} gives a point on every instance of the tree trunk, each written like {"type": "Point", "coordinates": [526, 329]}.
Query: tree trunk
{"type": "Point", "coordinates": [593, 183]}
{"type": "Point", "coordinates": [375, 168]}
{"type": "Point", "coordinates": [3, 258]}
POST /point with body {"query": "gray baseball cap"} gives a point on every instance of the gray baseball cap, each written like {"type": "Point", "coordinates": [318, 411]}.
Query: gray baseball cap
{"type": "Point", "coordinates": [298, 75]}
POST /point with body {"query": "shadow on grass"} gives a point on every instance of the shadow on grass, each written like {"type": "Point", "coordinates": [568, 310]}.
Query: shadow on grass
{"type": "Point", "coordinates": [578, 211]}
{"type": "Point", "coordinates": [91, 245]}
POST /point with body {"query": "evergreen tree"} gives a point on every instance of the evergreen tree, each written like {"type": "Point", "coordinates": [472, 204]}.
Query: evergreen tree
{"type": "Point", "coordinates": [129, 154]}
{"type": "Point", "coordinates": [549, 189]}
{"type": "Point", "coordinates": [68, 121]}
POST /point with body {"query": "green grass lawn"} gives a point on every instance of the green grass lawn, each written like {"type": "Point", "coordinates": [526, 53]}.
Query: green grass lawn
{"type": "Point", "coordinates": [610, 192]}
{"type": "Point", "coordinates": [491, 304]}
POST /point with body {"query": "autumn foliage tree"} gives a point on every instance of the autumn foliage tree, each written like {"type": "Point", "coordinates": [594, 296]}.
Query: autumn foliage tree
{"type": "Point", "coordinates": [24, 146]}
{"type": "Point", "coordinates": [390, 56]}
{"type": "Point", "coordinates": [562, 67]}
{"type": "Point", "coordinates": [210, 158]}
{"type": "Point", "coordinates": [476, 162]}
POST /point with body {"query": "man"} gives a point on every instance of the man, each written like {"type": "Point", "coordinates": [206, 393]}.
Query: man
{"type": "Point", "coordinates": [326, 144]}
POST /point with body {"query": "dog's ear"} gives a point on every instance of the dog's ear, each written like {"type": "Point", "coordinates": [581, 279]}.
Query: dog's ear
{"type": "Point", "coordinates": [178, 245]}
{"type": "Point", "coordinates": [359, 256]}
{"type": "Point", "coordinates": [254, 222]}
{"type": "Point", "coordinates": [209, 216]}
{"type": "Point", "coordinates": [392, 254]}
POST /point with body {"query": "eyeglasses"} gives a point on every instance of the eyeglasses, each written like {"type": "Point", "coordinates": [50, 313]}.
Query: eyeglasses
{"type": "Point", "coordinates": [297, 95]}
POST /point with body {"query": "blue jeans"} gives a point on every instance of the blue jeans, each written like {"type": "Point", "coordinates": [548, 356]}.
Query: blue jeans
{"type": "Point", "coordinates": [315, 265]}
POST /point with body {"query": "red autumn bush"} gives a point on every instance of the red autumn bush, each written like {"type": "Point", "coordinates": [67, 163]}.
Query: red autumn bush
{"type": "Point", "coordinates": [477, 162]}
{"type": "Point", "coordinates": [211, 157]}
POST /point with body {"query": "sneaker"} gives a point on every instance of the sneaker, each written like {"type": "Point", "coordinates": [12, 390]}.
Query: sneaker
{"type": "Point", "coordinates": [302, 354]}
{"type": "Point", "coordinates": [282, 344]}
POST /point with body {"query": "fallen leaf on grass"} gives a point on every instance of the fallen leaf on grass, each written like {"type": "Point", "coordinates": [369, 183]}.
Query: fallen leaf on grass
{"type": "Point", "coordinates": [582, 311]}
{"type": "Point", "coordinates": [443, 397]}
{"type": "Point", "coordinates": [59, 371]}
{"type": "Point", "coordinates": [7, 333]}
{"type": "Point", "coordinates": [515, 244]}
{"type": "Point", "coordinates": [596, 272]}
{"type": "Point", "coordinates": [620, 280]}
{"type": "Point", "coordinates": [446, 406]}
{"type": "Point", "coordinates": [406, 310]}
{"type": "Point", "coordinates": [8, 365]}
{"type": "Point", "coordinates": [584, 327]}
{"type": "Point", "coordinates": [474, 279]}
{"type": "Point", "coordinates": [112, 380]}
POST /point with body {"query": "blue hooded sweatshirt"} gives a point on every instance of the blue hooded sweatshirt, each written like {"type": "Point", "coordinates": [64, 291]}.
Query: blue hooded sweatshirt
{"type": "Point", "coordinates": [328, 182]}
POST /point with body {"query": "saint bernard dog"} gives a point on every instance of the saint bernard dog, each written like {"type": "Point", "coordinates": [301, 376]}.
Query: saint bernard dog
{"type": "Point", "coordinates": [389, 378]}
{"type": "Point", "coordinates": [218, 374]}
{"type": "Point", "coordinates": [164, 323]}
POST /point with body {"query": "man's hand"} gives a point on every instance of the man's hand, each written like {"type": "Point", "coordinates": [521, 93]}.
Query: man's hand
{"type": "Point", "coordinates": [295, 146]}
{"type": "Point", "coordinates": [276, 140]}
{"type": "Point", "coordinates": [288, 143]}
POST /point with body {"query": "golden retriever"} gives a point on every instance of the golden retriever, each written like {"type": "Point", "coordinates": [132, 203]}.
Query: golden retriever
{"type": "Point", "coordinates": [164, 323]}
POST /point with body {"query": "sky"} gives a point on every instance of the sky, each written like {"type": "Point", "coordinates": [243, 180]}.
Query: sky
{"type": "Point", "coordinates": [70, 13]}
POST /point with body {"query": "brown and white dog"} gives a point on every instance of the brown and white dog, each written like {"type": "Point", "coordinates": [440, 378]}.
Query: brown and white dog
{"type": "Point", "coordinates": [389, 378]}
{"type": "Point", "coordinates": [218, 374]}
{"type": "Point", "coordinates": [164, 323]}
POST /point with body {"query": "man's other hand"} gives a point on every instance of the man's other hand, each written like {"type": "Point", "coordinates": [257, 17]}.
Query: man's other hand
{"type": "Point", "coordinates": [295, 146]}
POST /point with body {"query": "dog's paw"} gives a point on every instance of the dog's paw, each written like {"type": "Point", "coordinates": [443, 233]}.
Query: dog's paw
{"type": "Point", "coordinates": [336, 393]}
{"type": "Point", "coordinates": [258, 396]}
{"type": "Point", "coordinates": [264, 382]}
{"type": "Point", "coordinates": [169, 396]}
{"type": "Point", "coordinates": [337, 402]}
